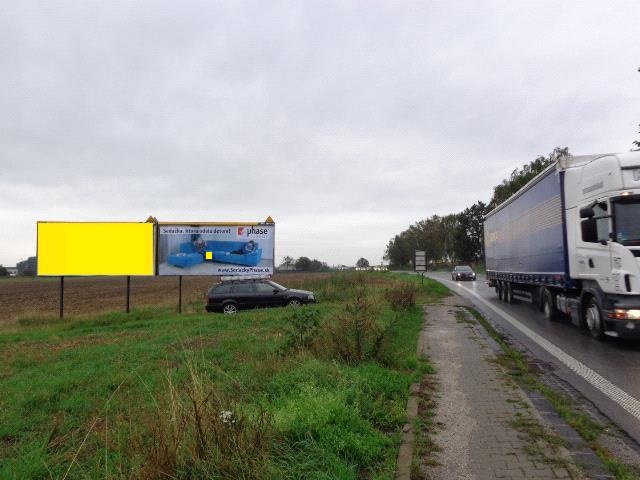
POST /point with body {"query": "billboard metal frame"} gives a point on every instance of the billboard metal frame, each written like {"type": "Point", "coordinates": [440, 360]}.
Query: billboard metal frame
{"type": "Point", "coordinates": [268, 222]}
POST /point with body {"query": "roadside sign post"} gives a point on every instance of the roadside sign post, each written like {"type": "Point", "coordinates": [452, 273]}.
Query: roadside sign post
{"type": "Point", "coordinates": [420, 263]}
{"type": "Point", "coordinates": [179, 293]}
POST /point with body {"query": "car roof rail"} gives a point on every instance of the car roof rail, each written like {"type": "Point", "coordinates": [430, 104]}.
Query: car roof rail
{"type": "Point", "coordinates": [232, 278]}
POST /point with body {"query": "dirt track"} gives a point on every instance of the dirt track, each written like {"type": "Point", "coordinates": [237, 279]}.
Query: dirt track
{"type": "Point", "coordinates": [26, 297]}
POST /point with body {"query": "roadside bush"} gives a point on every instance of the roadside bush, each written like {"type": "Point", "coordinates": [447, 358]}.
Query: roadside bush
{"type": "Point", "coordinates": [401, 296]}
{"type": "Point", "coordinates": [354, 335]}
{"type": "Point", "coordinates": [303, 326]}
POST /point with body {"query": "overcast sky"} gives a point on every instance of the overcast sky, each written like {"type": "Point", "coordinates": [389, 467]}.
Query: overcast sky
{"type": "Point", "coordinates": [346, 122]}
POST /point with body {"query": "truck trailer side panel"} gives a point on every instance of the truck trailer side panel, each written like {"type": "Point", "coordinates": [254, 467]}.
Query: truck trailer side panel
{"type": "Point", "coordinates": [525, 238]}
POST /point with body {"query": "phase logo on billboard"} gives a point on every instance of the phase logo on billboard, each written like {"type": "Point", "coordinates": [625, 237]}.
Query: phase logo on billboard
{"type": "Point", "coordinates": [254, 232]}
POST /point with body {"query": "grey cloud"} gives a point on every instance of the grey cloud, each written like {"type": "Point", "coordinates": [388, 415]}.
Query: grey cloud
{"type": "Point", "coordinates": [354, 118]}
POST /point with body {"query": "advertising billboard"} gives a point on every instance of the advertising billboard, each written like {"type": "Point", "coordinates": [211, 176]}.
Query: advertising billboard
{"type": "Point", "coordinates": [95, 248]}
{"type": "Point", "coordinates": [215, 249]}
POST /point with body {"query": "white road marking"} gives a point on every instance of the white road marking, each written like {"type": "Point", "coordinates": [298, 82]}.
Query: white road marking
{"type": "Point", "coordinates": [619, 396]}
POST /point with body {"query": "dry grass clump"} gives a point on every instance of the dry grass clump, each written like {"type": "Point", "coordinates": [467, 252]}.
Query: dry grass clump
{"type": "Point", "coordinates": [200, 433]}
{"type": "Point", "coordinates": [401, 296]}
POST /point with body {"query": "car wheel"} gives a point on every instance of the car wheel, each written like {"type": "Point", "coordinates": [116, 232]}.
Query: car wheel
{"type": "Point", "coordinates": [593, 319]}
{"type": "Point", "coordinates": [229, 309]}
{"type": "Point", "coordinates": [294, 302]}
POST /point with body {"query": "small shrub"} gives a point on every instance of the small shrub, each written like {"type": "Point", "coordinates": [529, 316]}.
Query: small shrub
{"type": "Point", "coordinates": [401, 296]}
{"type": "Point", "coordinates": [303, 326]}
{"type": "Point", "coordinates": [355, 335]}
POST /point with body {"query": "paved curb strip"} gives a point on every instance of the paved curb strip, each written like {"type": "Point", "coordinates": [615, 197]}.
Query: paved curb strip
{"type": "Point", "coordinates": [577, 448]}
{"type": "Point", "coordinates": [622, 398]}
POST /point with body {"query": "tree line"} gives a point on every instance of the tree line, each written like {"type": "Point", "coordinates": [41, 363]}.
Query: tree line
{"type": "Point", "coordinates": [304, 264]}
{"type": "Point", "coordinates": [457, 237]}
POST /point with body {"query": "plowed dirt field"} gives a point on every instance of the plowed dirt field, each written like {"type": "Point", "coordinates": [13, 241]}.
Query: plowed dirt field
{"type": "Point", "coordinates": [36, 297]}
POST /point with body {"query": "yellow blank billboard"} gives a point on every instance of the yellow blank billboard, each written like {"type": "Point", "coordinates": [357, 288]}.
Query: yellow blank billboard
{"type": "Point", "coordinates": [101, 248]}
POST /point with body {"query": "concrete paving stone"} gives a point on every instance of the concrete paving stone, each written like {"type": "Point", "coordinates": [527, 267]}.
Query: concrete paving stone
{"type": "Point", "coordinates": [566, 431]}
{"type": "Point", "coordinates": [588, 459]}
{"type": "Point", "coordinates": [561, 473]}
{"type": "Point", "coordinates": [499, 473]}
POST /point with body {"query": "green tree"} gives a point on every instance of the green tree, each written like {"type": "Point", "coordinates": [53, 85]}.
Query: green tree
{"type": "Point", "coordinates": [3, 271]}
{"type": "Point", "coordinates": [287, 262]}
{"type": "Point", "coordinates": [315, 265]}
{"type": "Point", "coordinates": [303, 263]}
{"type": "Point", "coordinates": [521, 176]}
{"type": "Point", "coordinates": [468, 234]}
{"type": "Point", "coordinates": [434, 235]}
{"type": "Point", "coordinates": [362, 263]}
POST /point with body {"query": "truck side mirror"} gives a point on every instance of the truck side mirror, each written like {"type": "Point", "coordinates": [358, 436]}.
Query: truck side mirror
{"type": "Point", "coordinates": [589, 230]}
{"type": "Point", "coordinates": [586, 212]}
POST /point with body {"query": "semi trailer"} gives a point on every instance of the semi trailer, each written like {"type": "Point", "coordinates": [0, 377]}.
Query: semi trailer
{"type": "Point", "coordinates": [569, 242]}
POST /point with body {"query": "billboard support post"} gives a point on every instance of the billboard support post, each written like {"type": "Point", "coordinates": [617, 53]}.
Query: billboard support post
{"type": "Point", "coordinates": [128, 291]}
{"type": "Point", "coordinates": [179, 293]}
{"type": "Point", "coordinates": [61, 296]}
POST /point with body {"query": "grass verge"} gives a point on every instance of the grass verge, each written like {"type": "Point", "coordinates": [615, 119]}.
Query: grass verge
{"type": "Point", "coordinates": [262, 394]}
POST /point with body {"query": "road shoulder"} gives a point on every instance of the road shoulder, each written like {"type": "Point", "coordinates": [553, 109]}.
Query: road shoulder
{"type": "Point", "coordinates": [482, 424]}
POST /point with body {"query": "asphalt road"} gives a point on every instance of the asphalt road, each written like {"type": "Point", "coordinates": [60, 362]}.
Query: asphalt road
{"type": "Point", "coordinates": [607, 372]}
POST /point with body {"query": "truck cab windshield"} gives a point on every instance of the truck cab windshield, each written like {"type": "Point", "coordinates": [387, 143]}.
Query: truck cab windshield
{"type": "Point", "coordinates": [627, 221]}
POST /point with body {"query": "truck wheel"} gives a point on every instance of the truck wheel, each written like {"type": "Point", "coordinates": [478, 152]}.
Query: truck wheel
{"type": "Point", "coordinates": [548, 307]}
{"type": "Point", "coordinates": [593, 319]}
{"type": "Point", "coordinates": [500, 291]}
{"type": "Point", "coordinates": [508, 296]}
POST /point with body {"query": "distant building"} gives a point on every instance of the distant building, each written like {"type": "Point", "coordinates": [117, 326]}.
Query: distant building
{"type": "Point", "coordinates": [28, 267]}
{"type": "Point", "coordinates": [286, 268]}
{"type": "Point", "coordinates": [13, 271]}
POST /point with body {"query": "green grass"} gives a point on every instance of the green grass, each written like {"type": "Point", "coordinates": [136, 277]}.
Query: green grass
{"type": "Point", "coordinates": [88, 397]}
